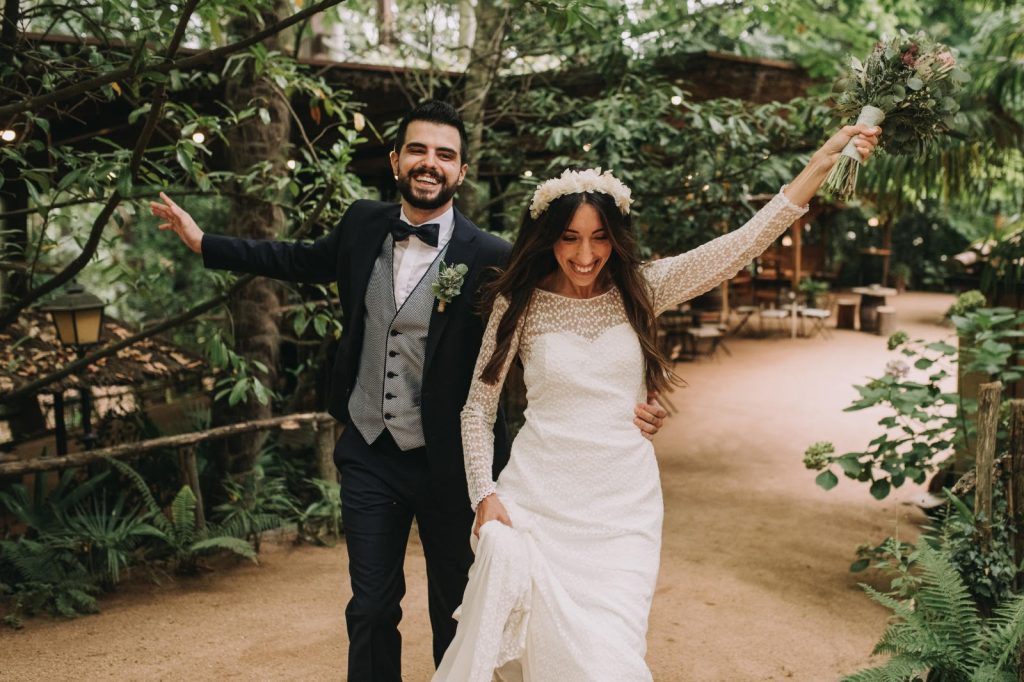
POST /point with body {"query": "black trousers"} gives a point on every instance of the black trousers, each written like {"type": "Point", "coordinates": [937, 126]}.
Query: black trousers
{"type": "Point", "coordinates": [382, 490]}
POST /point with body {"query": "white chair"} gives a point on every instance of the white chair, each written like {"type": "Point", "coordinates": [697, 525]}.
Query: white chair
{"type": "Point", "coordinates": [776, 314]}
{"type": "Point", "coordinates": [713, 335]}
{"type": "Point", "coordinates": [818, 317]}
{"type": "Point", "coordinates": [745, 312]}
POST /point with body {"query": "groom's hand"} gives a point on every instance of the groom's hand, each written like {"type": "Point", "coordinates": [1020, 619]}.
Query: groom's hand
{"type": "Point", "coordinates": [649, 416]}
{"type": "Point", "coordinates": [179, 220]}
{"type": "Point", "coordinates": [490, 509]}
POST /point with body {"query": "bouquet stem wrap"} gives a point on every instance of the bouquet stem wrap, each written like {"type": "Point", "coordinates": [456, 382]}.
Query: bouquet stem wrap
{"type": "Point", "coordinates": [842, 181]}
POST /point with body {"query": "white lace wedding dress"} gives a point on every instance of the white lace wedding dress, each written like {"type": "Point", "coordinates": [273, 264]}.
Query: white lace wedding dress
{"type": "Point", "coordinates": [564, 594]}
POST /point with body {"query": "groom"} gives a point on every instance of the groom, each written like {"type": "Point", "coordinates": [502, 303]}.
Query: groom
{"type": "Point", "coordinates": [400, 378]}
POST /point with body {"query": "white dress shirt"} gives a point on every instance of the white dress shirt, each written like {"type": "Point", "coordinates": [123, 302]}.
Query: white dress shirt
{"type": "Point", "coordinates": [413, 256]}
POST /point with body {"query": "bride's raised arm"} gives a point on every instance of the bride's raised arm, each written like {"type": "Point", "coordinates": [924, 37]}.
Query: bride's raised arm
{"type": "Point", "coordinates": [688, 275]}
{"type": "Point", "coordinates": [680, 278]}
{"type": "Point", "coordinates": [481, 409]}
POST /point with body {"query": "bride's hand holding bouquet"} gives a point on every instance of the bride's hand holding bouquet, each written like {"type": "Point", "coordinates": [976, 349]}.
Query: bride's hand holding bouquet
{"type": "Point", "coordinates": [909, 82]}
{"type": "Point", "coordinates": [861, 138]}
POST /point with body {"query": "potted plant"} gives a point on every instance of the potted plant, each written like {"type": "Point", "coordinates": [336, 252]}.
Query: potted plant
{"type": "Point", "coordinates": [901, 276]}
{"type": "Point", "coordinates": [813, 291]}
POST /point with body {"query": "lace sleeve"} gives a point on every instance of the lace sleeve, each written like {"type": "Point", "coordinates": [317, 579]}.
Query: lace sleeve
{"type": "Point", "coordinates": [680, 278]}
{"type": "Point", "coordinates": [481, 409]}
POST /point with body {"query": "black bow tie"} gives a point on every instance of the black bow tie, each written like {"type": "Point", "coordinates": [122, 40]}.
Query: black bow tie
{"type": "Point", "coordinates": [427, 233]}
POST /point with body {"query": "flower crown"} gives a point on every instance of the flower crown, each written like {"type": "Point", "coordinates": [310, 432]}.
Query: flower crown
{"type": "Point", "coordinates": [571, 182]}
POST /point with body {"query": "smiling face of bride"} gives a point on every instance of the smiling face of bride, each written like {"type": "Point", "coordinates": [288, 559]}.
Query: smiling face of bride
{"type": "Point", "coordinates": [582, 251]}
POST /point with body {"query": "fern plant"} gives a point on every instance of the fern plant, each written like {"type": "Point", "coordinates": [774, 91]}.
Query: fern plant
{"type": "Point", "coordinates": [256, 503]}
{"type": "Point", "coordinates": [939, 636]}
{"type": "Point", "coordinates": [188, 543]}
{"type": "Point", "coordinates": [320, 521]}
{"type": "Point", "coordinates": [185, 543]}
{"type": "Point", "coordinates": [45, 576]}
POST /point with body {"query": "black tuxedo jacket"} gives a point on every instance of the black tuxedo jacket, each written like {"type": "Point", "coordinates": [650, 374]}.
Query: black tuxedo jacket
{"type": "Point", "coordinates": [346, 256]}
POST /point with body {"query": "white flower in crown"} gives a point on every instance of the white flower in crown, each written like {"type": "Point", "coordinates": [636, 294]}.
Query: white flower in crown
{"type": "Point", "coordinates": [573, 182]}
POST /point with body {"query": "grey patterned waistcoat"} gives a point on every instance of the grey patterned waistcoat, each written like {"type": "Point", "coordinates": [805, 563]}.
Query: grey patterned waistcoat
{"type": "Point", "coordinates": [388, 386]}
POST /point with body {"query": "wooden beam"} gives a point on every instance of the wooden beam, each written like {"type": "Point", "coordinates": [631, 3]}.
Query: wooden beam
{"type": "Point", "coordinates": [1016, 496]}
{"type": "Point", "coordinates": [989, 395]}
{"type": "Point", "coordinates": [289, 421]}
{"type": "Point", "coordinates": [798, 245]}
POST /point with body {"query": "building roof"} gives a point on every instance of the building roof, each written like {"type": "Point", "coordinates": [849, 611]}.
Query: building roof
{"type": "Point", "coordinates": [30, 349]}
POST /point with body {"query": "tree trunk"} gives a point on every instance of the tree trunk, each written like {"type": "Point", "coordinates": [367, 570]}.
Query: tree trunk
{"type": "Point", "coordinates": [253, 309]}
{"type": "Point", "coordinates": [492, 20]}
{"type": "Point", "coordinates": [385, 23]}
{"type": "Point", "coordinates": [467, 27]}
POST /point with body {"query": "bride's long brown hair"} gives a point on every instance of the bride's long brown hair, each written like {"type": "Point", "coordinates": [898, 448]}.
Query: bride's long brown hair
{"type": "Point", "coordinates": [533, 260]}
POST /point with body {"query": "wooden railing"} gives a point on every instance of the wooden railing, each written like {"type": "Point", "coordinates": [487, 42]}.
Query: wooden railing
{"type": "Point", "coordinates": [184, 445]}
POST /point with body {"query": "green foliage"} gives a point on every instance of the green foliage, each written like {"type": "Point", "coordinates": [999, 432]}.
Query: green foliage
{"type": "Point", "coordinates": [255, 504]}
{"type": "Point", "coordinates": [967, 302]}
{"type": "Point", "coordinates": [187, 544]}
{"type": "Point", "coordinates": [107, 537]}
{"type": "Point", "coordinates": [43, 512]}
{"type": "Point", "coordinates": [927, 424]}
{"type": "Point", "coordinates": [44, 576]}
{"type": "Point", "coordinates": [70, 172]}
{"type": "Point", "coordinates": [895, 557]}
{"type": "Point", "coordinates": [320, 521]}
{"type": "Point", "coordinates": [691, 166]}
{"type": "Point", "coordinates": [183, 543]}
{"type": "Point", "coordinates": [939, 635]}
{"type": "Point", "coordinates": [813, 290]}
{"type": "Point", "coordinates": [987, 571]}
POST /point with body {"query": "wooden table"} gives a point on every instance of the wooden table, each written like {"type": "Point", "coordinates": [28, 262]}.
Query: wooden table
{"type": "Point", "coordinates": [870, 299]}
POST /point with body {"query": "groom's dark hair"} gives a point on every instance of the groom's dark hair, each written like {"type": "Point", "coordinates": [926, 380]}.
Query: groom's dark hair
{"type": "Point", "coordinates": [434, 111]}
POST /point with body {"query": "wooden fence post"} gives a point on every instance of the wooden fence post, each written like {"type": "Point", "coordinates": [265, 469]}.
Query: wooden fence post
{"type": "Point", "coordinates": [1016, 491]}
{"type": "Point", "coordinates": [190, 474]}
{"type": "Point", "coordinates": [989, 395]}
{"type": "Point", "coordinates": [325, 440]}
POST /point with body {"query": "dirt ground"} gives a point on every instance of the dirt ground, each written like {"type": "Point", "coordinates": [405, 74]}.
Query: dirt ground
{"type": "Point", "coordinates": [753, 585]}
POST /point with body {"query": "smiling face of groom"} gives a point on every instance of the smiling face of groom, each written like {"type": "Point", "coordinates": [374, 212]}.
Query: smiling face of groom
{"type": "Point", "coordinates": [428, 166]}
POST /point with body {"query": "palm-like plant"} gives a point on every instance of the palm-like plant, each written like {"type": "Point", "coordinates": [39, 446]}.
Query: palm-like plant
{"type": "Point", "coordinates": [44, 513]}
{"type": "Point", "coordinates": [939, 636]}
{"type": "Point", "coordinates": [107, 538]}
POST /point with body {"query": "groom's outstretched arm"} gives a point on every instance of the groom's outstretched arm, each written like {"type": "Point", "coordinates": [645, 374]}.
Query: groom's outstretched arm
{"type": "Point", "coordinates": [290, 261]}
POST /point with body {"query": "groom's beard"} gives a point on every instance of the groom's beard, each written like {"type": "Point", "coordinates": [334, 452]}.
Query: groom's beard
{"type": "Point", "coordinates": [424, 200]}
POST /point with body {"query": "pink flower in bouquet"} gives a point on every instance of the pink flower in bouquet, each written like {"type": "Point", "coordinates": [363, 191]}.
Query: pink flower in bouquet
{"type": "Point", "coordinates": [946, 59]}
{"type": "Point", "coordinates": [909, 57]}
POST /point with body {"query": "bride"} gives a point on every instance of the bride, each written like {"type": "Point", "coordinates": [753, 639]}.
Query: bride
{"type": "Point", "coordinates": [569, 537]}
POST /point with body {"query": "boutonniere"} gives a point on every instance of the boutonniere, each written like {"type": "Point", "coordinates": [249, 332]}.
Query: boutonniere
{"type": "Point", "coordinates": [449, 283]}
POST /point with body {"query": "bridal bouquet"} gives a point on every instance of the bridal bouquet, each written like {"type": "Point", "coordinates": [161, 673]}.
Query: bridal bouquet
{"type": "Point", "coordinates": [909, 82]}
